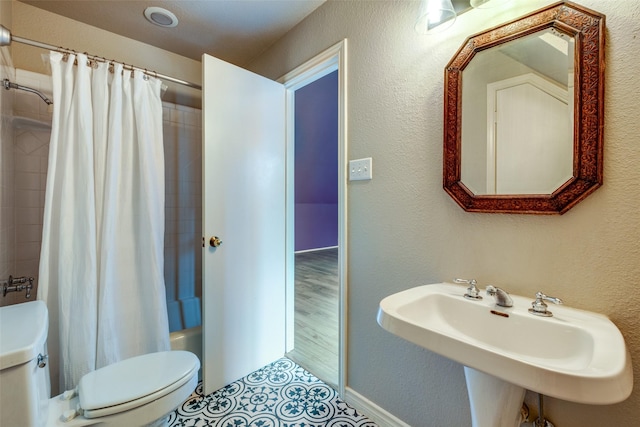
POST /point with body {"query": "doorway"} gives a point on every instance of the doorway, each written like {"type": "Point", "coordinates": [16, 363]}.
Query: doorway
{"type": "Point", "coordinates": [316, 215]}
{"type": "Point", "coordinates": [316, 228]}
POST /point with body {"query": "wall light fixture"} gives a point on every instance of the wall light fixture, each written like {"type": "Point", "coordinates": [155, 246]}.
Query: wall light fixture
{"type": "Point", "coordinates": [435, 16]}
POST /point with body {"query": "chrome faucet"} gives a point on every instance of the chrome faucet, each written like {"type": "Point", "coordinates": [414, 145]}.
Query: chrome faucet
{"type": "Point", "coordinates": [472, 291]}
{"type": "Point", "coordinates": [502, 297]}
{"type": "Point", "coordinates": [539, 308]}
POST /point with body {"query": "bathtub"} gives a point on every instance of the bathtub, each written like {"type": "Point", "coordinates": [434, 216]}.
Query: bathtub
{"type": "Point", "coordinates": [189, 340]}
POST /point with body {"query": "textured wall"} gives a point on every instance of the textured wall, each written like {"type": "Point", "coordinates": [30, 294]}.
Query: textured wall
{"type": "Point", "coordinates": [590, 256]}
{"type": "Point", "coordinates": [5, 13]}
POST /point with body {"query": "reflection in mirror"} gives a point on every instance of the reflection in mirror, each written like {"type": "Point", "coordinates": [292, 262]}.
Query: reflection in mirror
{"type": "Point", "coordinates": [517, 116]}
{"type": "Point", "coordinates": [524, 113]}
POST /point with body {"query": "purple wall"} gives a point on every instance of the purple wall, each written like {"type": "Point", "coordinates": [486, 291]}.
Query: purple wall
{"type": "Point", "coordinates": [316, 164]}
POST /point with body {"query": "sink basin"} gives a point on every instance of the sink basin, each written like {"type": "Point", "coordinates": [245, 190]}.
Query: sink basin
{"type": "Point", "coordinates": [575, 355]}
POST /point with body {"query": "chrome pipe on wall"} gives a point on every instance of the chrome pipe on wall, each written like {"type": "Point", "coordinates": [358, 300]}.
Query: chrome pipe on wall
{"type": "Point", "coordinates": [8, 85]}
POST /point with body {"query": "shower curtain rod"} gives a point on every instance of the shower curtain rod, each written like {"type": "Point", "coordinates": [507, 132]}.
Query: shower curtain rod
{"type": "Point", "coordinates": [6, 38]}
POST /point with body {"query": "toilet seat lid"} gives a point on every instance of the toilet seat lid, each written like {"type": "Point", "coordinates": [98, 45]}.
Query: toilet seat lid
{"type": "Point", "coordinates": [134, 382]}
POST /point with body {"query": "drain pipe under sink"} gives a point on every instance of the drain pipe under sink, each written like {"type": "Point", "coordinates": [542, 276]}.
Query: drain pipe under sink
{"type": "Point", "coordinates": [541, 421]}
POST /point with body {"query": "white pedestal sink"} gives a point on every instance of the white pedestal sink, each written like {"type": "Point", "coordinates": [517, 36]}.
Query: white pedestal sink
{"type": "Point", "coordinates": [575, 355]}
{"type": "Point", "coordinates": [494, 402]}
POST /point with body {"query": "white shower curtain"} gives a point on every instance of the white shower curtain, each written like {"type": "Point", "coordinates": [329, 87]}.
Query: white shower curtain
{"type": "Point", "coordinates": [102, 257]}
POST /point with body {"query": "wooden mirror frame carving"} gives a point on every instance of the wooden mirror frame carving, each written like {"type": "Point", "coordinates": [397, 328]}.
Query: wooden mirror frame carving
{"type": "Point", "coordinates": [588, 30]}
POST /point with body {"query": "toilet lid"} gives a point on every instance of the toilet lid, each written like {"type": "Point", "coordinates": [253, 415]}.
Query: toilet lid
{"type": "Point", "coordinates": [134, 382]}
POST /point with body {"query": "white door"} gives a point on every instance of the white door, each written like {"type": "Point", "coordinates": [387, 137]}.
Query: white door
{"type": "Point", "coordinates": [243, 196]}
{"type": "Point", "coordinates": [529, 159]}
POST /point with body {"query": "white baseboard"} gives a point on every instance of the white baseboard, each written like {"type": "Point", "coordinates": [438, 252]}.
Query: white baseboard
{"type": "Point", "coordinates": [372, 411]}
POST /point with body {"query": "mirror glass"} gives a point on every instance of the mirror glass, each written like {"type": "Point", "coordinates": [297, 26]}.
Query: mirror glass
{"type": "Point", "coordinates": [524, 113]}
{"type": "Point", "coordinates": [517, 116]}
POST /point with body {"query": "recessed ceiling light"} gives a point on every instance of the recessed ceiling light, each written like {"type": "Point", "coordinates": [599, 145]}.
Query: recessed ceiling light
{"type": "Point", "coordinates": [160, 16]}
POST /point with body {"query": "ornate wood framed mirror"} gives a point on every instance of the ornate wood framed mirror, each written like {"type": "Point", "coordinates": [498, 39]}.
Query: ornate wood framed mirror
{"type": "Point", "coordinates": [524, 113]}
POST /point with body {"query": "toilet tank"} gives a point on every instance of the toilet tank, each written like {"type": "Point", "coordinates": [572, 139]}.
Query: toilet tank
{"type": "Point", "coordinates": [24, 370]}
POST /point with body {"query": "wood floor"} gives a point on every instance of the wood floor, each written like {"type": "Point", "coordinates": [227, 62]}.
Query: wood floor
{"type": "Point", "coordinates": [316, 314]}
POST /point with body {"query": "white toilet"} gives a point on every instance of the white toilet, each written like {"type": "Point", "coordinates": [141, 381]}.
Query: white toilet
{"type": "Point", "coordinates": [139, 391]}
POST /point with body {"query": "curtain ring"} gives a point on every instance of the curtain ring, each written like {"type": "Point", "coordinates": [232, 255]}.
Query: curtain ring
{"type": "Point", "coordinates": [89, 64]}
{"type": "Point", "coordinates": [145, 76]}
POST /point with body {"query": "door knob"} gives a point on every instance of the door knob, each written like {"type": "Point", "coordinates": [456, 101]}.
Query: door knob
{"type": "Point", "coordinates": [215, 241]}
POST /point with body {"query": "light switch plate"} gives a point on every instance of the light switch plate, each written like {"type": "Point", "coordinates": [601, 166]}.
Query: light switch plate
{"type": "Point", "coordinates": [360, 169]}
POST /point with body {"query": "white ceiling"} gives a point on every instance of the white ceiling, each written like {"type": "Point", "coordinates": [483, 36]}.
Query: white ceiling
{"type": "Point", "coordinates": [233, 30]}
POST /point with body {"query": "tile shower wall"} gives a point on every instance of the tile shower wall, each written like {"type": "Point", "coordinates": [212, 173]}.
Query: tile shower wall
{"type": "Point", "coordinates": [183, 230]}
{"type": "Point", "coordinates": [7, 199]}
{"type": "Point", "coordinates": [32, 130]}
{"type": "Point", "coordinates": [23, 181]}
{"type": "Point", "coordinates": [26, 150]}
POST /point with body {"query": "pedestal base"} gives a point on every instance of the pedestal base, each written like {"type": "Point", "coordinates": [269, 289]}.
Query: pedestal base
{"type": "Point", "coordinates": [494, 402]}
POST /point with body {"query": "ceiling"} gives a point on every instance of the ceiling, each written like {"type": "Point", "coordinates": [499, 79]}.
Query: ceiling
{"type": "Point", "coordinates": [233, 30]}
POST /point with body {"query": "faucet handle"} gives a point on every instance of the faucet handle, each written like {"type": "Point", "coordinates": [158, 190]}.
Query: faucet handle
{"type": "Point", "coordinates": [539, 308]}
{"type": "Point", "coordinates": [548, 298]}
{"type": "Point", "coordinates": [472, 291]}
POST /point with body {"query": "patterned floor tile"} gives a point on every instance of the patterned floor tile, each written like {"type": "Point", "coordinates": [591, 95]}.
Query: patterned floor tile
{"type": "Point", "coordinates": [281, 394]}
